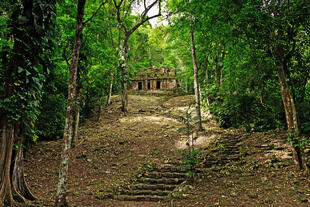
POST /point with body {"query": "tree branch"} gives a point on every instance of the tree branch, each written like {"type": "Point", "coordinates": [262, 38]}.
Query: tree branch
{"type": "Point", "coordinates": [146, 10]}
{"type": "Point", "coordinates": [118, 17]}
{"type": "Point", "coordinates": [111, 34]}
{"type": "Point", "coordinates": [143, 15]}
{"type": "Point", "coordinates": [94, 14]}
{"type": "Point", "coordinates": [66, 59]}
{"type": "Point", "coordinates": [144, 2]}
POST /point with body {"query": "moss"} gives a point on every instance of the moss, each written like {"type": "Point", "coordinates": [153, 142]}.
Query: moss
{"type": "Point", "coordinates": [163, 72]}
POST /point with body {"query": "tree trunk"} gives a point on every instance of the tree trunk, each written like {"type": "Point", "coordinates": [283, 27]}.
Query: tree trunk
{"type": "Point", "coordinates": [124, 76]}
{"type": "Point", "coordinates": [196, 84]}
{"type": "Point", "coordinates": [64, 164]}
{"type": "Point", "coordinates": [7, 137]}
{"type": "Point", "coordinates": [216, 60]}
{"type": "Point", "coordinates": [76, 119]}
{"type": "Point", "coordinates": [20, 188]}
{"type": "Point", "coordinates": [7, 141]}
{"type": "Point", "coordinates": [207, 77]}
{"type": "Point", "coordinates": [221, 67]}
{"type": "Point", "coordinates": [291, 119]}
{"type": "Point", "coordinates": [110, 89]}
{"type": "Point", "coordinates": [112, 69]}
{"type": "Point", "coordinates": [207, 71]}
{"type": "Point", "coordinates": [100, 108]}
{"type": "Point", "coordinates": [120, 6]}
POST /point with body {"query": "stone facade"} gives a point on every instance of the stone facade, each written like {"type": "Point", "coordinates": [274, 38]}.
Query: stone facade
{"type": "Point", "coordinates": [155, 78]}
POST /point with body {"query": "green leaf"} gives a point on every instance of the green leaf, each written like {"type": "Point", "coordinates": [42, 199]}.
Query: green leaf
{"type": "Point", "coordinates": [20, 69]}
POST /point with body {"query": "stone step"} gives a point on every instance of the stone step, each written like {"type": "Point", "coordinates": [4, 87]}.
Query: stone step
{"type": "Point", "coordinates": [232, 143]}
{"type": "Point", "coordinates": [164, 175]}
{"type": "Point", "coordinates": [157, 185]}
{"type": "Point", "coordinates": [229, 152]}
{"type": "Point", "coordinates": [153, 187]}
{"type": "Point", "coordinates": [234, 157]}
{"type": "Point", "coordinates": [172, 169]}
{"type": "Point", "coordinates": [215, 162]}
{"type": "Point", "coordinates": [171, 181]}
{"type": "Point", "coordinates": [139, 198]}
{"type": "Point", "coordinates": [175, 162]}
{"type": "Point", "coordinates": [232, 147]}
{"type": "Point", "coordinates": [145, 192]}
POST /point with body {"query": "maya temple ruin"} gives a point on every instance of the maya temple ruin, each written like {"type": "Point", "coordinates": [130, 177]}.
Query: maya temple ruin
{"type": "Point", "coordinates": [154, 78]}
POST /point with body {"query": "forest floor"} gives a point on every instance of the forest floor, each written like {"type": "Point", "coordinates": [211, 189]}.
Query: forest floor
{"type": "Point", "coordinates": [113, 150]}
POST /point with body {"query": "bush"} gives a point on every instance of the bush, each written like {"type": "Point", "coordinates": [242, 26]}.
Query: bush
{"type": "Point", "coordinates": [244, 111]}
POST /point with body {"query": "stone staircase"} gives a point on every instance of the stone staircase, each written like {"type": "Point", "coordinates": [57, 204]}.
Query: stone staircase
{"type": "Point", "coordinates": [158, 184]}
{"type": "Point", "coordinates": [154, 185]}
{"type": "Point", "coordinates": [229, 151]}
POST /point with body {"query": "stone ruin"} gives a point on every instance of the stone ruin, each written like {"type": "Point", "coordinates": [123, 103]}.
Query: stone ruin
{"type": "Point", "coordinates": [154, 78]}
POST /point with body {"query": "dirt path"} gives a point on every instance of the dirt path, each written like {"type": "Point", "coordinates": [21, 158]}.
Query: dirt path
{"type": "Point", "coordinates": [110, 152]}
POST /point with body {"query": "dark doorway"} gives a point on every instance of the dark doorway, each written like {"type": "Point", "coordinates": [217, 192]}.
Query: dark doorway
{"type": "Point", "coordinates": [139, 85]}
{"type": "Point", "coordinates": [157, 84]}
{"type": "Point", "coordinates": [149, 85]}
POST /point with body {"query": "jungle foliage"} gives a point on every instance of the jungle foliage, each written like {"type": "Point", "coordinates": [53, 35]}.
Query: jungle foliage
{"type": "Point", "coordinates": [253, 59]}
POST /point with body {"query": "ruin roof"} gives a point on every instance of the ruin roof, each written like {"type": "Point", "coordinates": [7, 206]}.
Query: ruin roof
{"type": "Point", "coordinates": [162, 72]}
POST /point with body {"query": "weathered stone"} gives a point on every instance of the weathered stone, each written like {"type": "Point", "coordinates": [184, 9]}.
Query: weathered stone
{"type": "Point", "coordinates": [154, 78]}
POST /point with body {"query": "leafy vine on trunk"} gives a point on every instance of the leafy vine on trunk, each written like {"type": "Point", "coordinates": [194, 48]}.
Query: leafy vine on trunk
{"type": "Point", "coordinates": [25, 69]}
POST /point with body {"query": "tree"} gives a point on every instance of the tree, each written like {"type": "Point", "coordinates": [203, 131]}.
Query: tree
{"type": "Point", "coordinates": [24, 69]}
{"type": "Point", "coordinates": [195, 67]}
{"type": "Point", "coordinates": [128, 31]}
{"type": "Point", "coordinates": [282, 21]}
{"type": "Point", "coordinates": [68, 130]}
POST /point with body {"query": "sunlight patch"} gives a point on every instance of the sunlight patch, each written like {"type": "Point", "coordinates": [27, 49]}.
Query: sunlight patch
{"type": "Point", "coordinates": [154, 119]}
{"type": "Point", "coordinates": [201, 141]}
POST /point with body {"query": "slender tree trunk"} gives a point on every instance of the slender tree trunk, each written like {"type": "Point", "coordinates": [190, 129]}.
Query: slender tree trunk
{"type": "Point", "coordinates": [291, 119]}
{"type": "Point", "coordinates": [196, 84]}
{"type": "Point", "coordinates": [221, 67]}
{"type": "Point", "coordinates": [207, 71]}
{"type": "Point", "coordinates": [110, 89]}
{"type": "Point", "coordinates": [127, 32]}
{"type": "Point", "coordinates": [216, 60]}
{"type": "Point", "coordinates": [7, 141]}
{"type": "Point", "coordinates": [100, 109]}
{"type": "Point", "coordinates": [124, 75]}
{"type": "Point", "coordinates": [207, 77]}
{"type": "Point", "coordinates": [112, 70]}
{"type": "Point", "coordinates": [76, 127]}
{"type": "Point", "coordinates": [76, 119]}
{"type": "Point", "coordinates": [64, 164]}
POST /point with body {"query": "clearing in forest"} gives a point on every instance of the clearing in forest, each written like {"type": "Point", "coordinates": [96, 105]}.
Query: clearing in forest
{"type": "Point", "coordinates": [113, 151]}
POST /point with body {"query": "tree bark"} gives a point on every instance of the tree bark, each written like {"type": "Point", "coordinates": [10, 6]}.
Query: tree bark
{"type": "Point", "coordinates": [222, 66]}
{"type": "Point", "coordinates": [196, 84]}
{"type": "Point", "coordinates": [216, 71]}
{"type": "Point", "coordinates": [76, 127]}
{"type": "Point", "coordinates": [100, 108]}
{"type": "Point", "coordinates": [8, 135]}
{"type": "Point", "coordinates": [77, 118]}
{"type": "Point", "coordinates": [20, 188]}
{"type": "Point", "coordinates": [110, 89]}
{"type": "Point", "coordinates": [7, 141]}
{"type": "Point", "coordinates": [64, 164]}
{"type": "Point", "coordinates": [123, 66]}
{"type": "Point", "coordinates": [112, 69]}
{"type": "Point", "coordinates": [291, 119]}
{"type": "Point", "coordinates": [207, 78]}
{"type": "Point", "coordinates": [207, 71]}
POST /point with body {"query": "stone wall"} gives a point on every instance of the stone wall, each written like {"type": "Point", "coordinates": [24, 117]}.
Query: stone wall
{"type": "Point", "coordinates": [154, 84]}
{"type": "Point", "coordinates": [154, 78]}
